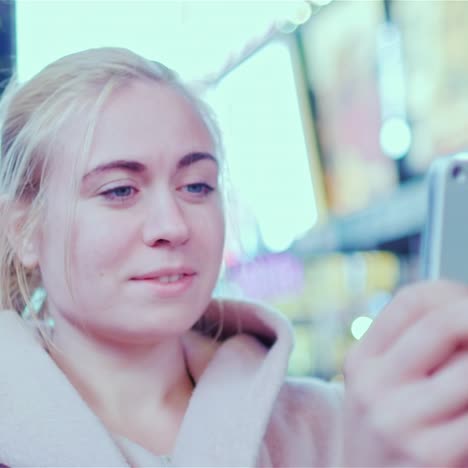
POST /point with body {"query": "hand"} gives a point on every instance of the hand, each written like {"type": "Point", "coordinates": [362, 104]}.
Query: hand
{"type": "Point", "coordinates": [407, 382]}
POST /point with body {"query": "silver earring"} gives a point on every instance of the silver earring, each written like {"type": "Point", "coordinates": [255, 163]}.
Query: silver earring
{"type": "Point", "coordinates": [34, 311]}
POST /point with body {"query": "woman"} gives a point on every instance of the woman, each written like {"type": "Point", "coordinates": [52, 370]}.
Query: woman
{"type": "Point", "coordinates": [111, 204]}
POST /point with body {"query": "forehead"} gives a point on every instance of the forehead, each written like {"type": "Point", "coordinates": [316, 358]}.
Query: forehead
{"type": "Point", "coordinates": [149, 119]}
{"type": "Point", "coordinates": [146, 121]}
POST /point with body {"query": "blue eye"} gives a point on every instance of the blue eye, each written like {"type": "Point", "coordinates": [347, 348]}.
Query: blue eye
{"type": "Point", "coordinates": [199, 188]}
{"type": "Point", "coordinates": [119, 193]}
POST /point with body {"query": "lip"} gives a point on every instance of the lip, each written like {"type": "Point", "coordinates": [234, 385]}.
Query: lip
{"type": "Point", "coordinates": [173, 289]}
{"type": "Point", "coordinates": [153, 275]}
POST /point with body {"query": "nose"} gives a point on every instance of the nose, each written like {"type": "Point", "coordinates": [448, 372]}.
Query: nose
{"type": "Point", "coordinates": [165, 223]}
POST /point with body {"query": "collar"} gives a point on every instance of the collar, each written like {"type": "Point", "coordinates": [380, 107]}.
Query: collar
{"type": "Point", "coordinates": [45, 421]}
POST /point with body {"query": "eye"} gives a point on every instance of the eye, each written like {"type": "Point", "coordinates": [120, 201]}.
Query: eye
{"type": "Point", "coordinates": [121, 193]}
{"type": "Point", "coordinates": [198, 189]}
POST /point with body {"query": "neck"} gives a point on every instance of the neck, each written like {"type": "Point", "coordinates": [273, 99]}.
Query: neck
{"type": "Point", "coordinates": [128, 386]}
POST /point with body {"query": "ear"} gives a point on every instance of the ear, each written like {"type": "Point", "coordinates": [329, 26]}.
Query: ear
{"type": "Point", "coordinates": [28, 253]}
{"type": "Point", "coordinates": [25, 242]}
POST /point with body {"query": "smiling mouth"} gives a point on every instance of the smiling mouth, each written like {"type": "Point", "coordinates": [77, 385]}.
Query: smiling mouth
{"type": "Point", "coordinates": [166, 279]}
{"type": "Point", "coordinates": [167, 286]}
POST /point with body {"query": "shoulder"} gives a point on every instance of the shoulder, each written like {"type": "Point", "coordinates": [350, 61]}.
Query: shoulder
{"type": "Point", "coordinates": [306, 424]}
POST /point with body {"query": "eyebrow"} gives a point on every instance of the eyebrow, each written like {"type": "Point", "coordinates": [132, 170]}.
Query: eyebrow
{"type": "Point", "coordinates": [192, 158]}
{"type": "Point", "coordinates": [139, 168]}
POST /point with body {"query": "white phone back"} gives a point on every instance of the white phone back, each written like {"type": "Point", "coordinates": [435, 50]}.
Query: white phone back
{"type": "Point", "coordinates": [445, 237]}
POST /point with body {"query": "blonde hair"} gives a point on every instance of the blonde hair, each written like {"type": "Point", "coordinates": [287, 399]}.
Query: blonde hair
{"type": "Point", "coordinates": [32, 116]}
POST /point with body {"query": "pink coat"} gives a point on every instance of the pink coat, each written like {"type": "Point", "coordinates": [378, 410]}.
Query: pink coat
{"type": "Point", "coordinates": [243, 411]}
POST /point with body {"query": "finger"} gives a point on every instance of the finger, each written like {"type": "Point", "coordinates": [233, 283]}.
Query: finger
{"type": "Point", "coordinates": [429, 401]}
{"type": "Point", "coordinates": [408, 306]}
{"type": "Point", "coordinates": [427, 344]}
{"type": "Point", "coordinates": [442, 444]}
{"type": "Point", "coordinates": [447, 397]}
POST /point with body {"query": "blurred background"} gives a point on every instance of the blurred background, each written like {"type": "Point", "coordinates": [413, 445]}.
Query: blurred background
{"type": "Point", "coordinates": [331, 112]}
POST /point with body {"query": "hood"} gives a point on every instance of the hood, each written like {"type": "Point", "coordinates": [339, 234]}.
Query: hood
{"type": "Point", "coordinates": [46, 422]}
{"type": "Point", "coordinates": [235, 393]}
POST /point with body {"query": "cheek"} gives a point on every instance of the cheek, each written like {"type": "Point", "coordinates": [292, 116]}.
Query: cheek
{"type": "Point", "coordinates": [210, 232]}
{"type": "Point", "coordinates": [102, 242]}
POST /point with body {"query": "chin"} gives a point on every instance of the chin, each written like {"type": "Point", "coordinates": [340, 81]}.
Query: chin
{"type": "Point", "coordinates": [152, 326]}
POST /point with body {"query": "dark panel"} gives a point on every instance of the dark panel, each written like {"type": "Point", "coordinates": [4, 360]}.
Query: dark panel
{"type": "Point", "coordinates": [7, 40]}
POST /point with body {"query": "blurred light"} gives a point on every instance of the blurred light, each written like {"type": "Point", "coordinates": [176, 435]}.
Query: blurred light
{"type": "Point", "coordinates": [392, 89]}
{"type": "Point", "coordinates": [171, 32]}
{"type": "Point", "coordinates": [321, 2]}
{"type": "Point", "coordinates": [395, 137]}
{"type": "Point", "coordinates": [257, 108]}
{"type": "Point", "coordinates": [269, 277]}
{"type": "Point", "coordinates": [391, 76]}
{"type": "Point", "coordinates": [359, 326]}
{"type": "Point", "coordinates": [287, 27]}
{"type": "Point", "coordinates": [302, 13]}
{"type": "Point", "coordinates": [388, 36]}
{"type": "Point", "coordinates": [278, 241]}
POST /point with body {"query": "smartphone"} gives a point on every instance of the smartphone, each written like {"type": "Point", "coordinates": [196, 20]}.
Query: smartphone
{"type": "Point", "coordinates": [444, 250]}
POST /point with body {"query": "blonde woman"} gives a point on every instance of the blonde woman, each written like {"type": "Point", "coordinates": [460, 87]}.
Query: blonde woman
{"type": "Point", "coordinates": [111, 206]}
